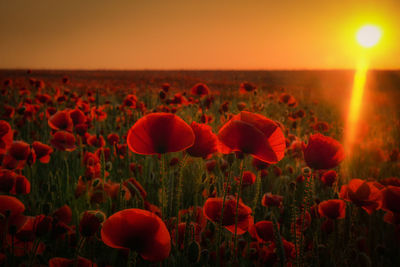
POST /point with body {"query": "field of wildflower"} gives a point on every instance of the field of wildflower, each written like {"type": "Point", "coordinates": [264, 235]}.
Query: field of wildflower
{"type": "Point", "coordinates": [200, 169]}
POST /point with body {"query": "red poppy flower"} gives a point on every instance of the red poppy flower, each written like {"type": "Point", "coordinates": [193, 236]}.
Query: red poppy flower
{"type": "Point", "coordinates": [42, 151]}
{"type": "Point", "coordinates": [270, 200]}
{"type": "Point", "coordinates": [288, 100]}
{"type": "Point", "coordinates": [42, 225]}
{"type": "Point", "coordinates": [263, 231]}
{"type": "Point", "coordinates": [17, 155]}
{"type": "Point", "coordinates": [200, 89]}
{"type": "Point", "coordinates": [8, 112]}
{"type": "Point", "coordinates": [19, 150]}
{"type": "Point", "coordinates": [323, 152]}
{"type": "Point", "coordinates": [205, 142]}
{"type": "Point", "coordinates": [61, 120]}
{"type": "Point", "coordinates": [63, 141]}
{"type": "Point", "coordinates": [138, 230]}
{"type": "Point", "coordinates": [98, 113]}
{"type": "Point", "coordinates": [159, 133]}
{"type": "Point", "coordinates": [332, 209]}
{"type": "Point", "coordinates": [96, 141]}
{"type": "Point", "coordinates": [6, 136]}
{"type": "Point", "coordinates": [212, 211]}
{"type": "Point", "coordinates": [329, 177]}
{"type": "Point", "coordinates": [391, 199]}
{"type": "Point", "coordinates": [63, 214]}
{"type": "Point", "coordinates": [77, 116]}
{"type": "Point", "coordinates": [22, 186]}
{"type": "Point", "coordinates": [248, 178]}
{"type": "Point", "coordinates": [81, 129]}
{"type": "Point", "coordinates": [254, 134]}
{"type": "Point", "coordinates": [10, 205]}
{"type": "Point", "coordinates": [11, 210]}
{"type": "Point", "coordinates": [63, 262]}
{"type": "Point", "coordinates": [7, 180]}
{"type": "Point", "coordinates": [113, 139]}
{"type": "Point", "coordinates": [321, 126]}
{"type": "Point", "coordinates": [246, 87]}
{"type": "Point", "coordinates": [363, 194]}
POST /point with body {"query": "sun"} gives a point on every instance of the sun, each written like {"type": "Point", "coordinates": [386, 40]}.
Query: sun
{"type": "Point", "coordinates": [368, 35]}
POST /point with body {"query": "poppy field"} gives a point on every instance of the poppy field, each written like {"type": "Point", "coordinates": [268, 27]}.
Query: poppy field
{"type": "Point", "coordinates": [195, 168]}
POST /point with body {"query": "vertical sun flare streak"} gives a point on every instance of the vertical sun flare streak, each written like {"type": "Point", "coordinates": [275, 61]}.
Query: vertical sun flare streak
{"type": "Point", "coordinates": [355, 104]}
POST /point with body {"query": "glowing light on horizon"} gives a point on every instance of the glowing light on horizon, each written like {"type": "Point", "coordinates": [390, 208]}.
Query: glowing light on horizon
{"type": "Point", "coordinates": [368, 36]}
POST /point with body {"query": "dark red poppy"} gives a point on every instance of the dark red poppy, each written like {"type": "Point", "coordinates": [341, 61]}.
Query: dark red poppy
{"type": "Point", "coordinates": [159, 133]}
{"type": "Point", "coordinates": [10, 206]}
{"type": "Point", "coordinates": [254, 134]}
{"type": "Point", "coordinates": [321, 126]}
{"type": "Point", "coordinates": [329, 177]}
{"type": "Point", "coordinates": [6, 136]}
{"type": "Point", "coordinates": [270, 200]}
{"type": "Point", "coordinates": [212, 211]}
{"type": "Point", "coordinates": [77, 116]}
{"type": "Point", "coordinates": [19, 150]}
{"type": "Point", "coordinates": [113, 139]}
{"type": "Point", "coordinates": [332, 209]}
{"type": "Point", "coordinates": [363, 194]}
{"type": "Point", "coordinates": [7, 180]}
{"type": "Point", "coordinates": [64, 141]}
{"type": "Point", "coordinates": [391, 199]}
{"type": "Point", "coordinates": [263, 231]}
{"type": "Point", "coordinates": [205, 142]}
{"type": "Point", "coordinates": [61, 120]}
{"type": "Point", "coordinates": [138, 230]}
{"type": "Point", "coordinates": [288, 99]}
{"type": "Point", "coordinates": [22, 186]}
{"type": "Point", "coordinates": [42, 225]}
{"type": "Point", "coordinates": [96, 141]}
{"type": "Point", "coordinates": [248, 178]}
{"type": "Point", "coordinates": [81, 129]}
{"type": "Point", "coordinates": [17, 155]}
{"type": "Point", "coordinates": [200, 89]}
{"type": "Point", "coordinates": [323, 152]}
{"type": "Point", "coordinates": [8, 112]}
{"type": "Point", "coordinates": [11, 210]}
{"type": "Point", "coordinates": [63, 214]}
{"type": "Point", "coordinates": [98, 113]}
{"type": "Point", "coordinates": [64, 262]}
{"type": "Point", "coordinates": [42, 151]}
{"type": "Point", "coordinates": [246, 87]}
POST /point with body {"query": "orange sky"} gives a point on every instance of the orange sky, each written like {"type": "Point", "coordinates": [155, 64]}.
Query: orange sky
{"type": "Point", "coordinates": [191, 34]}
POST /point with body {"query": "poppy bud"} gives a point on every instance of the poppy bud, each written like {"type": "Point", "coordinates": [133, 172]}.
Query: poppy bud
{"type": "Point", "coordinates": [194, 252]}
{"type": "Point", "coordinates": [173, 162]}
{"type": "Point", "coordinates": [90, 222]}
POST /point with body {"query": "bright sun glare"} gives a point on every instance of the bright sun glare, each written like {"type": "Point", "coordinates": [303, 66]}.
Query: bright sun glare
{"type": "Point", "coordinates": [368, 35]}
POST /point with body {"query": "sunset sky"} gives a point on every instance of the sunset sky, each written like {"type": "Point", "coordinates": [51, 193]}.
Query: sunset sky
{"type": "Point", "coordinates": [207, 34]}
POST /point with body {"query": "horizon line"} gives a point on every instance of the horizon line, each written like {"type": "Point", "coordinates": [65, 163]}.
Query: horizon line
{"type": "Point", "coordinates": [192, 69]}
